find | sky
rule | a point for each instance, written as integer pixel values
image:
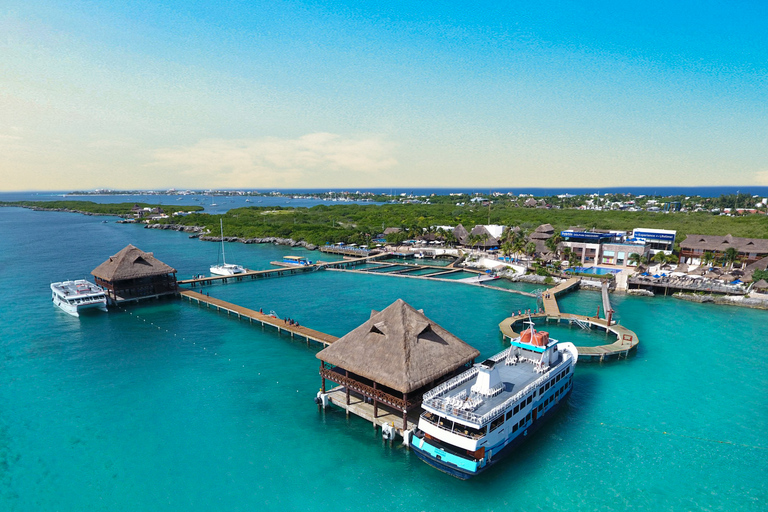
(377, 94)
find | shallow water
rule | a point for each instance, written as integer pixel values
(168, 405)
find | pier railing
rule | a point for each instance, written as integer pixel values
(369, 391)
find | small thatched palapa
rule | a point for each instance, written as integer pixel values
(394, 358)
(400, 348)
(131, 263)
(133, 274)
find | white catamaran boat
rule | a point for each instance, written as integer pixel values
(478, 417)
(75, 296)
(225, 269)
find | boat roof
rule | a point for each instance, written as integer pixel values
(515, 378)
(77, 287)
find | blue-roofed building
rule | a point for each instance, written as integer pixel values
(658, 240)
(587, 244)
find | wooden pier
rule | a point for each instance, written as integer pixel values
(626, 340)
(359, 407)
(264, 319)
(250, 274)
(277, 272)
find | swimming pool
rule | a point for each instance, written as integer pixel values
(598, 271)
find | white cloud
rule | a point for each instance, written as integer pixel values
(273, 161)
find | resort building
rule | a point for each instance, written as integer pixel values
(133, 274)
(749, 250)
(587, 245)
(658, 240)
(540, 236)
(393, 359)
(618, 253)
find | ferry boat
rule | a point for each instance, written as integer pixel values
(75, 296)
(477, 418)
(292, 261)
(296, 260)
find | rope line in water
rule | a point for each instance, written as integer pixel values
(664, 432)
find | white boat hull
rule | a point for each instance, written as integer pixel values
(227, 270)
(73, 297)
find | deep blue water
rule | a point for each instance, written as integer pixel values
(167, 405)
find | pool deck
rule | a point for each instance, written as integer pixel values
(626, 340)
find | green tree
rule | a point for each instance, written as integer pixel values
(731, 254)
(660, 257)
(634, 259)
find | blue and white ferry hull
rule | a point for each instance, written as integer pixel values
(477, 418)
(464, 468)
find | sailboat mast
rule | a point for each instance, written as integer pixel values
(223, 257)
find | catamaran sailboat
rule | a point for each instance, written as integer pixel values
(225, 269)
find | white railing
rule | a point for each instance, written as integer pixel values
(445, 405)
(452, 383)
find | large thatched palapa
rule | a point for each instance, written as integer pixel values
(133, 274)
(394, 358)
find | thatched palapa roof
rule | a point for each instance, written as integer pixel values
(715, 243)
(460, 233)
(131, 263)
(489, 241)
(543, 232)
(760, 285)
(400, 348)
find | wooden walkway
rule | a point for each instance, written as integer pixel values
(626, 340)
(263, 319)
(277, 272)
(252, 274)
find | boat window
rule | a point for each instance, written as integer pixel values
(528, 417)
(469, 431)
(510, 414)
(520, 425)
(497, 423)
(432, 418)
(517, 408)
(514, 428)
(446, 424)
(529, 399)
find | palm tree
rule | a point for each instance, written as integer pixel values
(660, 257)
(634, 259)
(530, 248)
(708, 257)
(730, 256)
(518, 245)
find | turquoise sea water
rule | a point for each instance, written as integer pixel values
(171, 406)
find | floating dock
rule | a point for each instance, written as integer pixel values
(264, 319)
(626, 340)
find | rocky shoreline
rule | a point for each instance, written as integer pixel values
(730, 300)
(206, 238)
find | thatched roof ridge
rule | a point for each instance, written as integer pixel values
(760, 285)
(717, 243)
(400, 348)
(545, 228)
(131, 263)
(761, 264)
(490, 241)
(460, 233)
